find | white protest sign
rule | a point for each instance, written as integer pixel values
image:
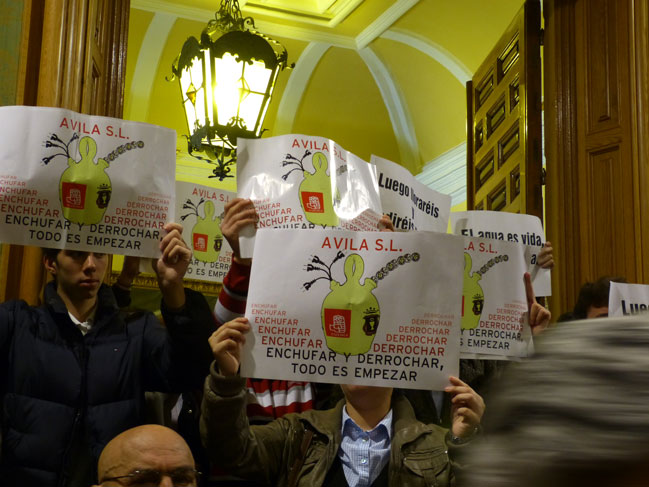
(84, 182)
(510, 227)
(410, 204)
(200, 209)
(298, 181)
(627, 299)
(494, 305)
(350, 308)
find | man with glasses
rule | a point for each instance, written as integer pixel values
(147, 456)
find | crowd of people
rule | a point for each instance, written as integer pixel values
(76, 369)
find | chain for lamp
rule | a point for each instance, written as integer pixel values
(228, 18)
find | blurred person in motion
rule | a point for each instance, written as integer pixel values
(573, 415)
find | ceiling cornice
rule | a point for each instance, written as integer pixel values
(269, 28)
(362, 40)
(331, 17)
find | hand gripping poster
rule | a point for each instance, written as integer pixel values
(410, 204)
(201, 209)
(494, 305)
(84, 182)
(373, 308)
(509, 227)
(628, 299)
(298, 181)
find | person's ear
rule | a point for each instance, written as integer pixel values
(50, 265)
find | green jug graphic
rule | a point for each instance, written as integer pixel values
(207, 238)
(85, 188)
(472, 296)
(316, 196)
(350, 312)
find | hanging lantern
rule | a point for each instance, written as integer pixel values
(226, 81)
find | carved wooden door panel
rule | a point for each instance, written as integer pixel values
(504, 158)
(596, 63)
(76, 59)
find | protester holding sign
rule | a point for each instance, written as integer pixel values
(309, 448)
(268, 399)
(74, 371)
(265, 399)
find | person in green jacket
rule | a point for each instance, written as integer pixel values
(371, 438)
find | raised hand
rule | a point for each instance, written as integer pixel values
(466, 410)
(545, 258)
(172, 265)
(226, 343)
(539, 316)
(385, 224)
(238, 213)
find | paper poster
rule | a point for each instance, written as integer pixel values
(494, 305)
(628, 299)
(509, 227)
(410, 204)
(84, 182)
(201, 209)
(298, 181)
(350, 308)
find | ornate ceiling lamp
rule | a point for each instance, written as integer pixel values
(226, 81)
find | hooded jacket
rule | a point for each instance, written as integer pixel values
(65, 395)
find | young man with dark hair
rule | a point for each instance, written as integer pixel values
(592, 301)
(73, 372)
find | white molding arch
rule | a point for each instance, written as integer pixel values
(296, 86)
(146, 66)
(447, 174)
(384, 22)
(433, 50)
(404, 129)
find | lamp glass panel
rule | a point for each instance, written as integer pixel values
(266, 102)
(191, 80)
(207, 70)
(196, 70)
(252, 104)
(257, 76)
(190, 112)
(227, 87)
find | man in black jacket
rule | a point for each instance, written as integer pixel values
(73, 372)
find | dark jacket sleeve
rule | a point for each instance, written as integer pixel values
(7, 321)
(178, 359)
(255, 453)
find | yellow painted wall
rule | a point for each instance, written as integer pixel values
(138, 23)
(343, 103)
(435, 99)
(467, 28)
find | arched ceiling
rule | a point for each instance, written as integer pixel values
(381, 77)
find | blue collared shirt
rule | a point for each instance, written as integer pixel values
(364, 454)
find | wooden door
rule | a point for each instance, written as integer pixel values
(74, 56)
(504, 159)
(597, 141)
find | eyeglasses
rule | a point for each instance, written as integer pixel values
(180, 477)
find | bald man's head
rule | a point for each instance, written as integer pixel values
(147, 448)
